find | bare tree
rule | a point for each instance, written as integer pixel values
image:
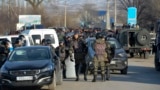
(35, 4)
(139, 4)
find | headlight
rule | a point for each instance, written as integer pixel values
(49, 68)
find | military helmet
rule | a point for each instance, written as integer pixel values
(5, 42)
(99, 35)
(22, 37)
(18, 40)
(48, 41)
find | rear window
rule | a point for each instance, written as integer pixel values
(50, 36)
(36, 39)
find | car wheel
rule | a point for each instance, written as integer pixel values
(59, 78)
(4, 88)
(52, 86)
(124, 71)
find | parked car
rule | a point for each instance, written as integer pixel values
(120, 60)
(31, 66)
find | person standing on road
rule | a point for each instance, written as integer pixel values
(79, 54)
(4, 51)
(100, 59)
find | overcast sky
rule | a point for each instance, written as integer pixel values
(100, 4)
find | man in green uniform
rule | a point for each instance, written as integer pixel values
(100, 59)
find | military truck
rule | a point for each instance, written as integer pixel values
(157, 47)
(135, 41)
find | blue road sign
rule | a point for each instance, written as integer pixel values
(132, 16)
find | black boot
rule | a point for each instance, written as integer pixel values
(94, 78)
(85, 78)
(77, 79)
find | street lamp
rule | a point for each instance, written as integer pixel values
(65, 14)
(108, 27)
(115, 14)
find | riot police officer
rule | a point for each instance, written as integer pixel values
(4, 51)
(79, 54)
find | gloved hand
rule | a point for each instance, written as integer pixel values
(72, 60)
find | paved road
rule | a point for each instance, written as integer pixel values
(141, 76)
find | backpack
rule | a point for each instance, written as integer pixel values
(100, 48)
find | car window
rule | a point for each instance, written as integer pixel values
(36, 39)
(115, 43)
(29, 54)
(50, 36)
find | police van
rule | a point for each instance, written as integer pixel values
(12, 39)
(38, 34)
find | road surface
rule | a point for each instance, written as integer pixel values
(141, 76)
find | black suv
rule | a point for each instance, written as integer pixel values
(31, 66)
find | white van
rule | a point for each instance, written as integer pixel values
(12, 39)
(39, 34)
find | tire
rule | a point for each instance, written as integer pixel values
(52, 86)
(124, 71)
(5, 88)
(143, 38)
(156, 63)
(59, 77)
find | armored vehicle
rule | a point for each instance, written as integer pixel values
(135, 41)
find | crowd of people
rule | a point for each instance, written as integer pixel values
(71, 42)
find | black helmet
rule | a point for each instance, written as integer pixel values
(21, 36)
(18, 40)
(43, 41)
(99, 35)
(5, 42)
(48, 41)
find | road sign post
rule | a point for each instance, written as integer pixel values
(132, 16)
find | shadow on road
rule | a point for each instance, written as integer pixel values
(139, 74)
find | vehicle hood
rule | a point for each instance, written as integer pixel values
(23, 65)
(119, 50)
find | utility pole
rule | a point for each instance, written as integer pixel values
(115, 14)
(9, 16)
(65, 14)
(108, 27)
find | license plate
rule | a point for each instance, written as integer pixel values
(24, 78)
(113, 62)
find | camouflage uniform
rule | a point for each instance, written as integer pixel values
(101, 58)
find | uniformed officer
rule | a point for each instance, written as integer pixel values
(4, 51)
(18, 43)
(100, 59)
(79, 54)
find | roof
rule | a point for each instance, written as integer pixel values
(38, 46)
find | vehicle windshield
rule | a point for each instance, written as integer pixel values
(115, 43)
(29, 54)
